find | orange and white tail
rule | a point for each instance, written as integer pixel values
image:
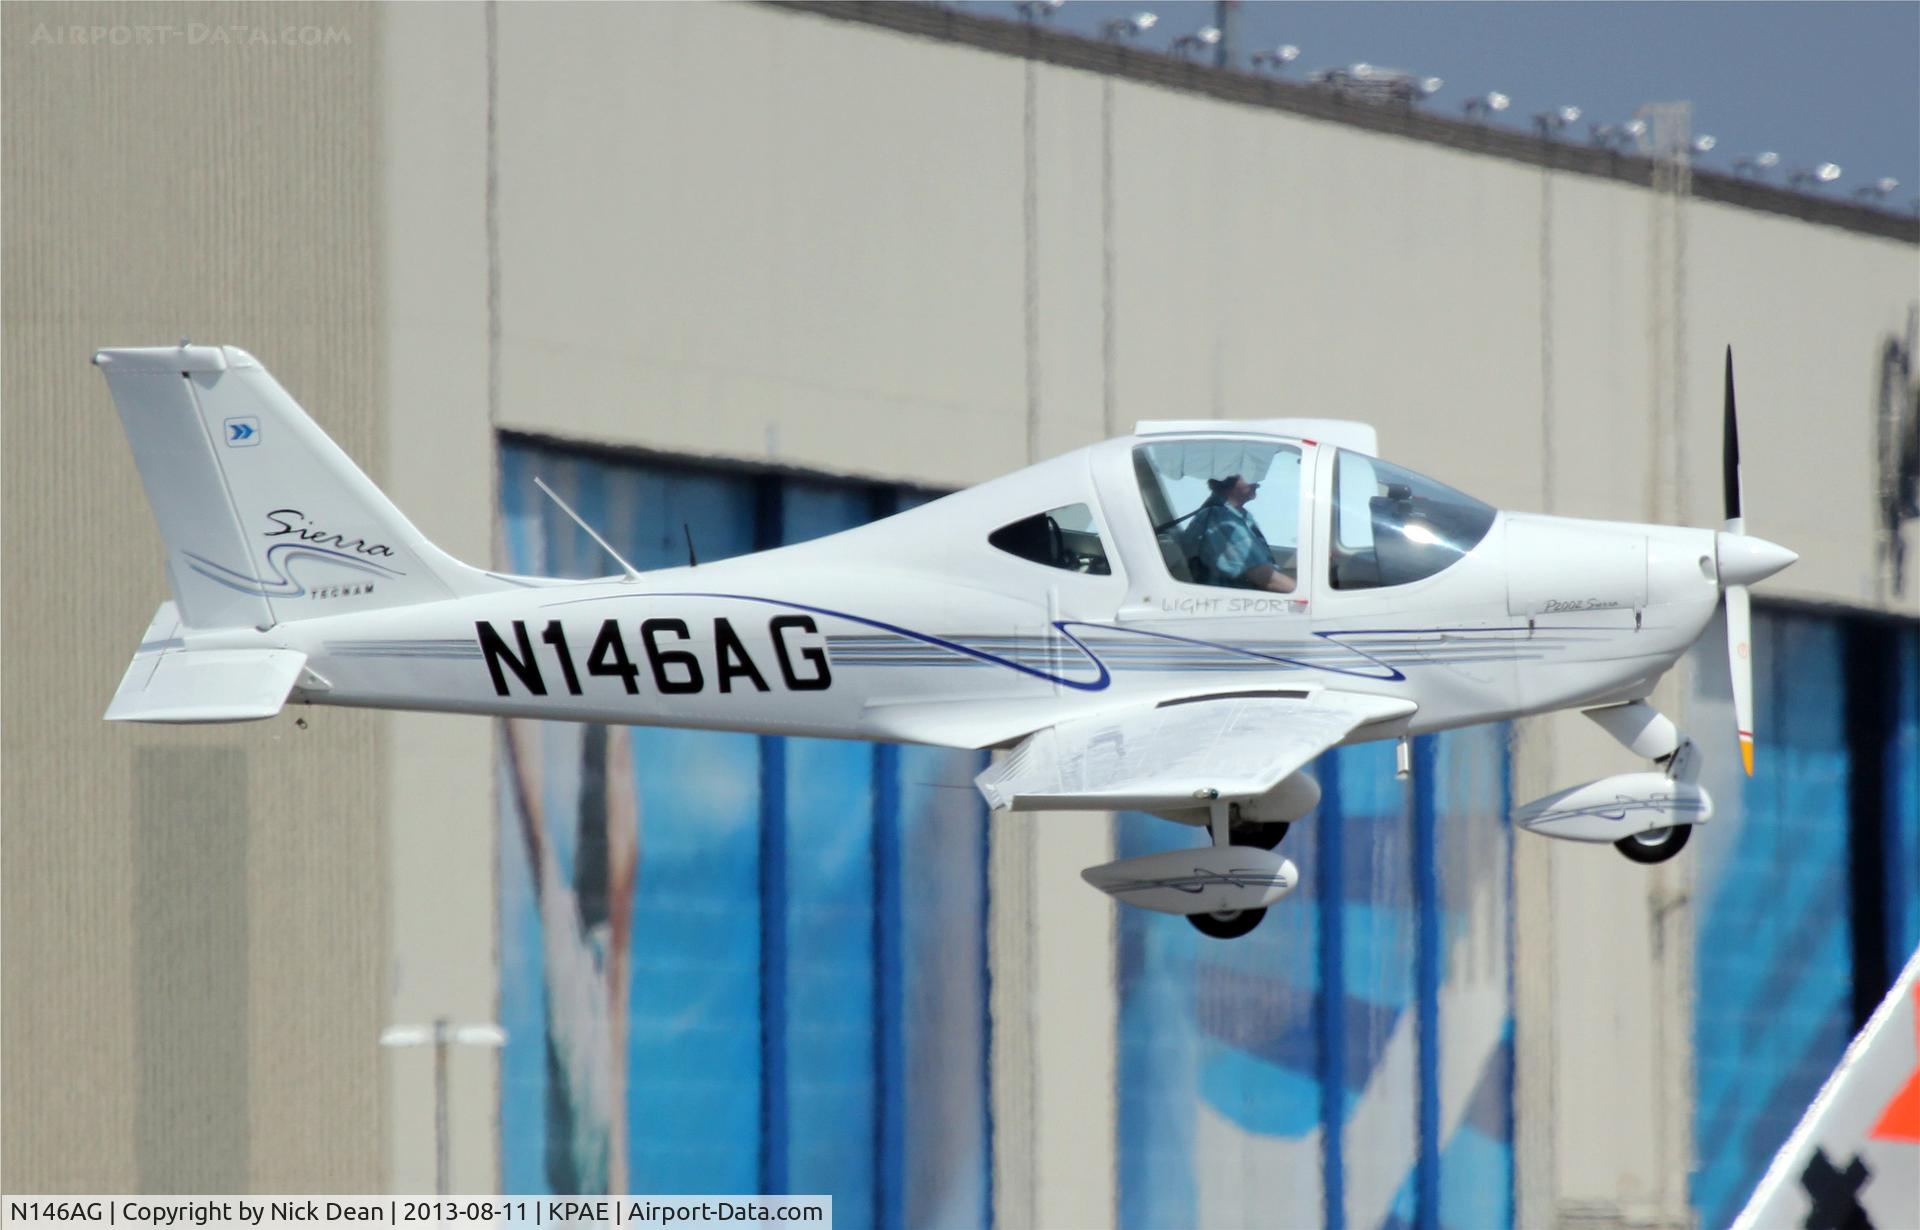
(1855, 1158)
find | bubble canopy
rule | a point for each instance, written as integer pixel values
(1394, 527)
(1226, 512)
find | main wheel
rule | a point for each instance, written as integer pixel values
(1655, 845)
(1260, 836)
(1227, 925)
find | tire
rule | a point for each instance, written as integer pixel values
(1665, 844)
(1231, 926)
(1259, 836)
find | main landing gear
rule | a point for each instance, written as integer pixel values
(1655, 845)
(1229, 832)
(1228, 924)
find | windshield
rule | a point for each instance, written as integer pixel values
(1225, 512)
(1392, 526)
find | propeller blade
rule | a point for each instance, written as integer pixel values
(1740, 668)
(1730, 458)
(1740, 560)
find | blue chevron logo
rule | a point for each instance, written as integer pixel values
(243, 432)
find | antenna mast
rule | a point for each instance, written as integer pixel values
(625, 567)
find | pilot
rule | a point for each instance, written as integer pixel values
(1228, 542)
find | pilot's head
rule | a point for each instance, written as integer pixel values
(1233, 489)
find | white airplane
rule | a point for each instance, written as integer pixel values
(1175, 622)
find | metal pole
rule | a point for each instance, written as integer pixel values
(441, 1036)
(1227, 20)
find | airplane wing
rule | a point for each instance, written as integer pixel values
(1178, 753)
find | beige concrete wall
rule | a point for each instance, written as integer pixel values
(434, 295)
(195, 920)
(730, 232)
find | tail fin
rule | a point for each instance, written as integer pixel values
(265, 520)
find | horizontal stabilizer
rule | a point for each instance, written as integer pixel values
(206, 685)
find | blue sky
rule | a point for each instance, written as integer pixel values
(1817, 82)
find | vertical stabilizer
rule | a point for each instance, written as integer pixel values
(265, 519)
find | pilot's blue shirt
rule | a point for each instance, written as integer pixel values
(1229, 544)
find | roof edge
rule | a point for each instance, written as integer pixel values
(1034, 42)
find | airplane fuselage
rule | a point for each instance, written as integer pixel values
(812, 640)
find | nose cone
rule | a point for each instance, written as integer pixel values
(1745, 560)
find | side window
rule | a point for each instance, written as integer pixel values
(1393, 527)
(1225, 512)
(1063, 537)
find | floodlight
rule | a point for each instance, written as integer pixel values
(1486, 105)
(1205, 36)
(1557, 120)
(1617, 136)
(1131, 27)
(1878, 190)
(1815, 177)
(1756, 165)
(1703, 143)
(1277, 58)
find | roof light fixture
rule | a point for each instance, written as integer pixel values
(1815, 177)
(1487, 105)
(1204, 37)
(1557, 120)
(1131, 27)
(1276, 58)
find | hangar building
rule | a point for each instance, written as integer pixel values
(768, 271)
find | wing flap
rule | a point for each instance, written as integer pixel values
(1164, 756)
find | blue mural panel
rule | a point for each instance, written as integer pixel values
(1901, 784)
(1774, 958)
(831, 1032)
(1472, 1077)
(941, 1176)
(712, 978)
(1380, 1084)
(1236, 1058)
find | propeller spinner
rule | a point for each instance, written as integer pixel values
(1742, 561)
